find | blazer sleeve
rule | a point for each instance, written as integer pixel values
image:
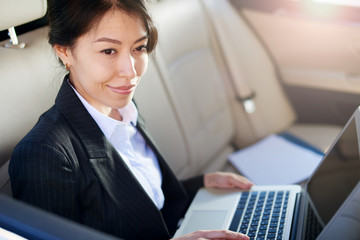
(36, 170)
(192, 185)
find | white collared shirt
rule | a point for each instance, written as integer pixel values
(132, 148)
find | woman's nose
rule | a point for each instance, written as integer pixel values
(127, 66)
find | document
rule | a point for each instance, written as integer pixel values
(275, 160)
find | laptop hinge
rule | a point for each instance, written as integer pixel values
(294, 227)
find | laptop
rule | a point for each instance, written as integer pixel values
(326, 206)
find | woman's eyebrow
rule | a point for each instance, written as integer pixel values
(142, 38)
(111, 40)
(105, 39)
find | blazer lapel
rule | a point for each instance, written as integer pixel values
(176, 198)
(114, 175)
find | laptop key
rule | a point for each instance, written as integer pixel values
(271, 235)
(272, 230)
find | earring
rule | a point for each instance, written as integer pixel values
(67, 67)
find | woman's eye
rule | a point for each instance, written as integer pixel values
(142, 48)
(108, 51)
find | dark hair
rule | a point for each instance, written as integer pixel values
(69, 19)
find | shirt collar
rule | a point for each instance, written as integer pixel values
(107, 125)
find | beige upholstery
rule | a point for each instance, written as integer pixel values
(163, 122)
(194, 83)
(29, 78)
(319, 136)
(249, 64)
(206, 113)
(199, 100)
(17, 12)
(28, 84)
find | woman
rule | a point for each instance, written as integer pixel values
(89, 157)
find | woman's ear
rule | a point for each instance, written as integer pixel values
(63, 53)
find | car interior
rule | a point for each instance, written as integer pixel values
(225, 75)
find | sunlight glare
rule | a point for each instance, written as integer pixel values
(321, 11)
(354, 3)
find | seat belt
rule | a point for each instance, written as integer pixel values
(221, 15)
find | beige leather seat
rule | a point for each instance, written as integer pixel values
(191, 113)
(202, 119)
(28, 78)
(251, 67)
(196, 135)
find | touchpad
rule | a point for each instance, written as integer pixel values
(205, 220)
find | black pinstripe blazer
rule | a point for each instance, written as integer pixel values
(66, 165)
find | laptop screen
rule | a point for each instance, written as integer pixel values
(338, 174)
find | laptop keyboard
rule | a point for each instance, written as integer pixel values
(261, 214)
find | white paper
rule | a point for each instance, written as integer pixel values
(275, 161)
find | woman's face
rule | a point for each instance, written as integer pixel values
(106, 63)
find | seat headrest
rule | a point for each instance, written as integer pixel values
(17, 12)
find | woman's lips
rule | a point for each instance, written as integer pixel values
(123, 89)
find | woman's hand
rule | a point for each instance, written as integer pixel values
(213, 234)
(226, 180)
